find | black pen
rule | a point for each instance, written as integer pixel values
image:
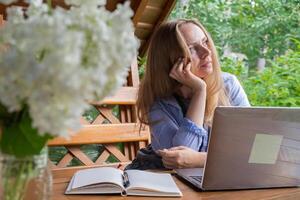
(125, 179)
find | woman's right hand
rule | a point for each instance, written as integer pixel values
(182, 157)
(183, 74)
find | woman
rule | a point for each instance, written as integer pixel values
(182, 86)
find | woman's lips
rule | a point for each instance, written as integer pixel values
(206, 64)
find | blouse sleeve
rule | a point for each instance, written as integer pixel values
(169, 131)
(236, 93)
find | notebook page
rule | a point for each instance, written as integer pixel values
(151, 181)
(97, 175)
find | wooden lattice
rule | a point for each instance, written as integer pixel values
(109, 129)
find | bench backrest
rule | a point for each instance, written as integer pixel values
(108, 130)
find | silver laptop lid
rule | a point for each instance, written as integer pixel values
(253, 148)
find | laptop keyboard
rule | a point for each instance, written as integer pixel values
(197, 178)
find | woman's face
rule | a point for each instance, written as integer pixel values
(198, 46)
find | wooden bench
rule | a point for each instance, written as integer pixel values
(109, 130)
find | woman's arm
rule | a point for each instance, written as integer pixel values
(182, 157)
(197, 87)
(169, 128)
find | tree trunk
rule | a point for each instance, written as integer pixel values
(261, 63)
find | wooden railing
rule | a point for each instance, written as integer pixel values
(108, 129)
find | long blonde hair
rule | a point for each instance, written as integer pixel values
(166, 47)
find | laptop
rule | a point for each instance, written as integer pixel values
(249, 148)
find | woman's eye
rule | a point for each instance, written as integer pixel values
(192, 49)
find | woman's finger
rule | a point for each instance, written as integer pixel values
(177, 148)
(187, 68)
(170, 154)
(169, 164)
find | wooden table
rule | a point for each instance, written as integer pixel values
(61, 178)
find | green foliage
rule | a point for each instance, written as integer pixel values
(256, 28)
(277, 85)
(142, 66)
(235, 67)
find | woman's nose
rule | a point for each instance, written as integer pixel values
(203, 52)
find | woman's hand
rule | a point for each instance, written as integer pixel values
(182, 157)
(182, 73)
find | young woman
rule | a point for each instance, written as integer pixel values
(182, 86)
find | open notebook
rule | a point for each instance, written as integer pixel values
(108, 180)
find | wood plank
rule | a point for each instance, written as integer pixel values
(156, 3)
(102, 158)
(51, 164)
(166, 10)
(107, 113)
(128, 114)
(116, 152)
(134, 74)
(123, 96)
(153, 8)
(99, 119)
(132, 150)
(1, 20)
(122, 114)
(126, 151)
(143, 34)
(105, 133)
(65, 160)
(139, 11)
(80, 155)
(144, 25)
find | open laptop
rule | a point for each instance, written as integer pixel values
(250, 147)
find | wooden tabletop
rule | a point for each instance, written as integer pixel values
(61, 178)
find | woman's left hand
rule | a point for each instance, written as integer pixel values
(182, 157)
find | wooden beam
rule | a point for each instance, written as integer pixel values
(1, 20)
(139, 11)
(65, 160)
(116, 152)
(102, 158)
(125, 95)
(144, 25)
(80, 155)
(169, 5)
(105, 133)
(107, 113)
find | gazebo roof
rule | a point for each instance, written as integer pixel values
(148, 14)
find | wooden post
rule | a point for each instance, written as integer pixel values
(1, 20)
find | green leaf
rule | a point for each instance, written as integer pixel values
(21, 139)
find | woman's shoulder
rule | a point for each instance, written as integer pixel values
(229, 78)
(234, 89)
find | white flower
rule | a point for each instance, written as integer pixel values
(7, 1)
(56, 62)
(86, 2)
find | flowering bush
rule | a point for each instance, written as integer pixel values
(55, 60)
